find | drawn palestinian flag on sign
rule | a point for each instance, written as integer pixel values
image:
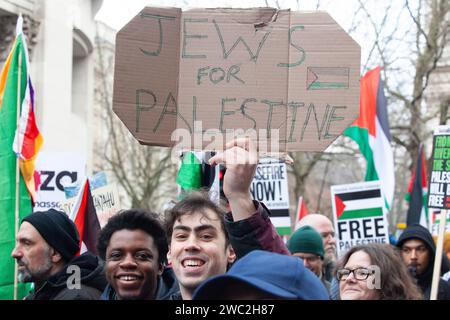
(358, 204)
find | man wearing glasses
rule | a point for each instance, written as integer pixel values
(324, 227)
(306, 243)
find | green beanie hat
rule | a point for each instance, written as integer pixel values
(306, 240)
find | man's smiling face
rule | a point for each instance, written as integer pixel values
(132, 266)
(198, 249)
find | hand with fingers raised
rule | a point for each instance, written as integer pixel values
(240, 158)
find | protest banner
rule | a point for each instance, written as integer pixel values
(439, 194)
(435, 221)
(100, 179)
(359, 215)
(106, 202)
(270, 186)
(54, 171)
(439, 188)
(193, 79)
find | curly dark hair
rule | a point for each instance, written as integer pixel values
(193, 203)
(396, 282)
(135, 219)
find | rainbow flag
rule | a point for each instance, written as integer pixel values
(371, 132)
(26, 140)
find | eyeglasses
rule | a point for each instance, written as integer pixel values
(358, 273)
(310, 259)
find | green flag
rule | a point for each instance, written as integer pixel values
(8, 121)
(190, 174)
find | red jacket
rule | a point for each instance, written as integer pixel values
(254, 233)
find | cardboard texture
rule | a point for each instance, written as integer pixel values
(106, 201)
(262, 69)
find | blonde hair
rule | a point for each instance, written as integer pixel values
(446, 242)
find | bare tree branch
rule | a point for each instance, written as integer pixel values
(419, 25)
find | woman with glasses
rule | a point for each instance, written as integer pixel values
(374, 272)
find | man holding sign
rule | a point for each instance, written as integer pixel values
(201, 79)
(203, 241)
(193, 79)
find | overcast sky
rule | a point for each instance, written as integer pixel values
(116, 13)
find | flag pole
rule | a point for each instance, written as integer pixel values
(438, 257)
(16, 211)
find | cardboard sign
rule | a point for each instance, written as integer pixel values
(270, 186)
(201, 77)
(100, 179)
(106, 202)
(439, 188)
(359, 215)
(55, 170)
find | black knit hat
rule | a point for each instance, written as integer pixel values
(57, 230)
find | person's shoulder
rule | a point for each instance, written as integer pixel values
(175, 296)
(167, 285)
(444, 290)
(446, 276)
(84, 292)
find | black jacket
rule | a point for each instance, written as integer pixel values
(167, 285)
(424, 280)
(60, 285)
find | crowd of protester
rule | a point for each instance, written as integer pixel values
(200, 251)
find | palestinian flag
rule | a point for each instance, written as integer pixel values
(302, 211)
(190, 173)
(196, 174)
(358, 204)
(417, 193)
(435, 221)
(85, 218)
(371, 132)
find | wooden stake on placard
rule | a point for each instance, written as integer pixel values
(438, 257)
